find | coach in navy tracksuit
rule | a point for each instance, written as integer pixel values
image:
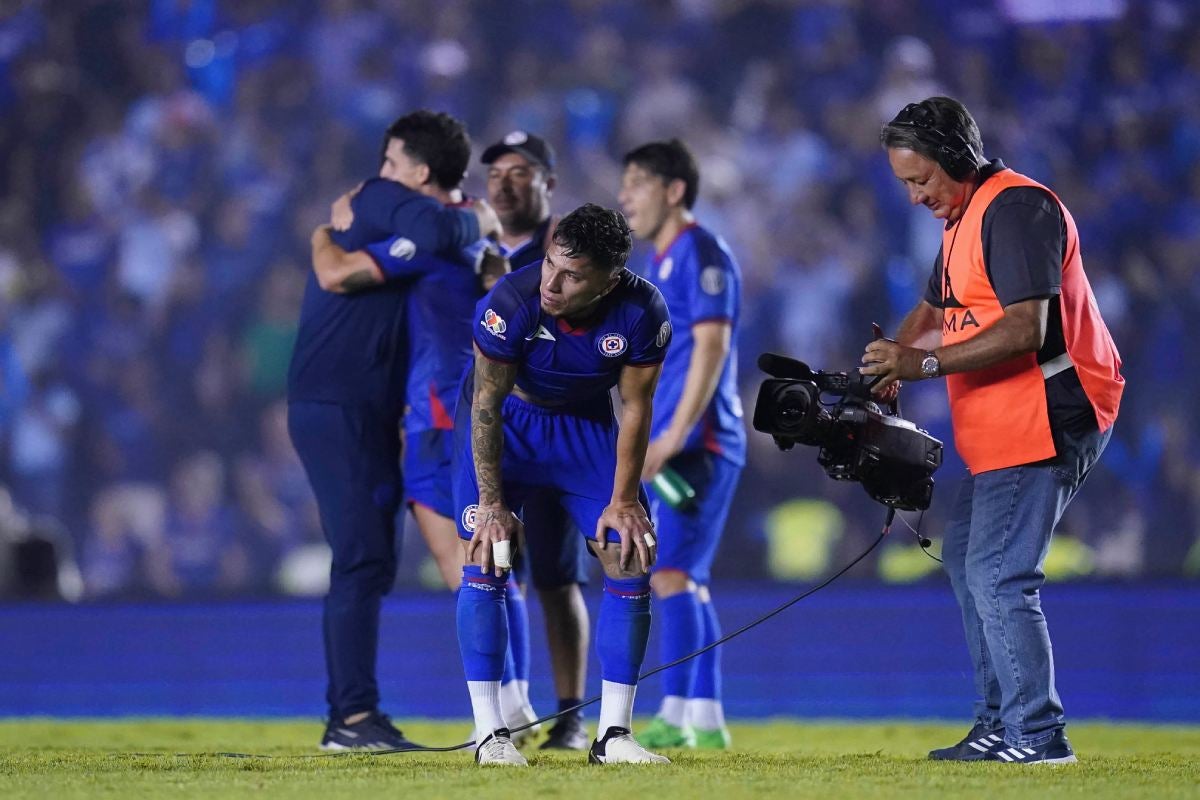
(345, 405)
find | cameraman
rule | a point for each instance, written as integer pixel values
(1034, 384)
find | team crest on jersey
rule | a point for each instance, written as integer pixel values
(494, 323)
(612, 344)
(664, 335)
(469, 517)
(664, 269)
(403, 249)
(712, 280)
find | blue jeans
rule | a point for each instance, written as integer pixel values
(994, 548)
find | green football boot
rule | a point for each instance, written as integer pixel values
(660, 733)
(711, 740)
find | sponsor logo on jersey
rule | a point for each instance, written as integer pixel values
(664, 335)
(664, 269)
(403, 249)
(712, 280)
(612, 344)
(541, 333)
(469, 515)
(494, 323)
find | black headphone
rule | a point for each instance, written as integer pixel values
(951, 149)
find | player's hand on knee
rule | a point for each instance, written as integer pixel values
(632, 524)
(497, 534)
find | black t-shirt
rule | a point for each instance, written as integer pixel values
(1024, 238)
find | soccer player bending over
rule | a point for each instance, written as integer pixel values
(535, 416)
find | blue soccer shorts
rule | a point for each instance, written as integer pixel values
(687, 540)
(550, 455)
(428, 473)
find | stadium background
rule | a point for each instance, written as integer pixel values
(164, 162)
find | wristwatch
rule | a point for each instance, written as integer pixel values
(931, 367)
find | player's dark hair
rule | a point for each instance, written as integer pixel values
(942, 130)
(597, 234)
(435, 139)
(669, 161)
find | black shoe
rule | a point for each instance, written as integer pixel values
(567, 734)
(1056, 751)
(375, 732)
(975, 746)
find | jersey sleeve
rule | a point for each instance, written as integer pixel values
(384, 208)
(399, 259)
(651, 333)
(502, 321)
(1023, 240)
(713, 283)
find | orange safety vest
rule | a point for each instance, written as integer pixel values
(999, 413)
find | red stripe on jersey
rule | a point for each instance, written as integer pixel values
(565, 327)
(441, 418)
(710, 437)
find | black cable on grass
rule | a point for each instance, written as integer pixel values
(590, 701)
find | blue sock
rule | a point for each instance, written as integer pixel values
(708, 668)
(623, 628)
(482, 625)
(518, 632)
(682, 633)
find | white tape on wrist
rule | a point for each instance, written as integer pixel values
(502, 554)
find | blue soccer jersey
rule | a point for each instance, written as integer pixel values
(700, 281)
(561, 365)
(440, 309)
(350, 348)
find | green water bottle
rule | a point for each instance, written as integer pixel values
(674, 490)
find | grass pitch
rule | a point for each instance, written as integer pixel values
(44, 759)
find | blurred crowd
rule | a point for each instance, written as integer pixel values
(162, 163)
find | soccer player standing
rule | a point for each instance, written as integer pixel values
(535, 415)
(345, 403)
(697, 432)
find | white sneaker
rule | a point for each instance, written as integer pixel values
(523, 716)
(499, 749)
(619, 747)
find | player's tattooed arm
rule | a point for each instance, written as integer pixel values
(493, 382)
(339, 271)
(495, 523)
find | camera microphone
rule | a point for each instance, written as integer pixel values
(784, 367)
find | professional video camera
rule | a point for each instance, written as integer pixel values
(892, 458)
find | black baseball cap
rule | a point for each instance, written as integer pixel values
(524, 144)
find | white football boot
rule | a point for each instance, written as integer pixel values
(498, 749)
(619, 747)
